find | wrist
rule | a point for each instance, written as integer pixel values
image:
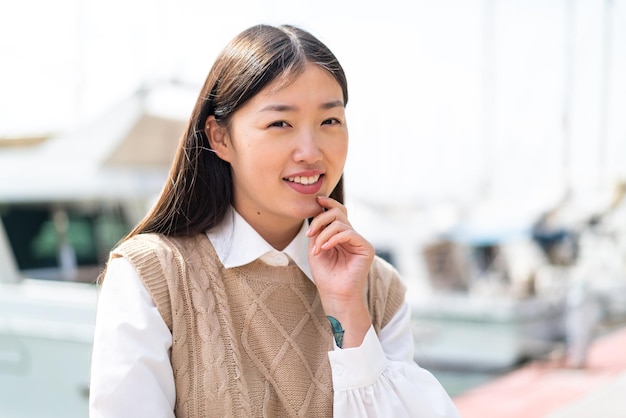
(349, 326)
(337, 329)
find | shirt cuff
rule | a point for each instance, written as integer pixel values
(347, 364)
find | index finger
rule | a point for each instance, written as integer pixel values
(329, 203)
(333, 211)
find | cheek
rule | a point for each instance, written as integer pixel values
(258, 163)
(337, 157)
(340, 151)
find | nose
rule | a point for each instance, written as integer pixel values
(307, 147)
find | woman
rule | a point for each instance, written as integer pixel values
(246, 291)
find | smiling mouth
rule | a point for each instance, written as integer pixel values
(304, 180)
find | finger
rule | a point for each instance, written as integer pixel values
(340, 235)
(349, 240)
(327, 233)
(330, 203)
(324, 219)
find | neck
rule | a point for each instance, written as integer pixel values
(278, 233)
(278, 239)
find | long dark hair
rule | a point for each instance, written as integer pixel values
(199, 188)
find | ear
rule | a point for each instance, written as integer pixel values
(218, 137)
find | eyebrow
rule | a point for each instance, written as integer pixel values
(333, 104)
(288, 108)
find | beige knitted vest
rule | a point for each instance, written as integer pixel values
(250, 341)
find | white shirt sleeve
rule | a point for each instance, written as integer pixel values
(392, 384)
(131, 372)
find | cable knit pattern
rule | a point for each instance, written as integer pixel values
(250, 341)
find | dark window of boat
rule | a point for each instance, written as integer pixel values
(62, 242)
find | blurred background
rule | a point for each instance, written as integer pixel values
(487, 162)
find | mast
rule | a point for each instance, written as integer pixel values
(488, 97)
(568, 87)
(607, 44)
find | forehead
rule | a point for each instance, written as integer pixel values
(309, 75)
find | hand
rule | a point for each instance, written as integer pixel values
(340, 260)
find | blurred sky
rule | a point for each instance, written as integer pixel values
(448, 98)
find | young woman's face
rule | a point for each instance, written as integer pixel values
(286, 146)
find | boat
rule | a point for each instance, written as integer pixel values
(483, 295)
(494, 286)
(65, 200)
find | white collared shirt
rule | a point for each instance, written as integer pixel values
(237, 243)
(131, 373)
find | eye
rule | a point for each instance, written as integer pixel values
(278, 124)
(331, 121)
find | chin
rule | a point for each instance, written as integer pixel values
(308, 211)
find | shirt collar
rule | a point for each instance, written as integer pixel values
(237, 243)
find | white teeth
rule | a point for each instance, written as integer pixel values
(304, 180)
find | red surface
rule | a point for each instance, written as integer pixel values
(541, 387)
